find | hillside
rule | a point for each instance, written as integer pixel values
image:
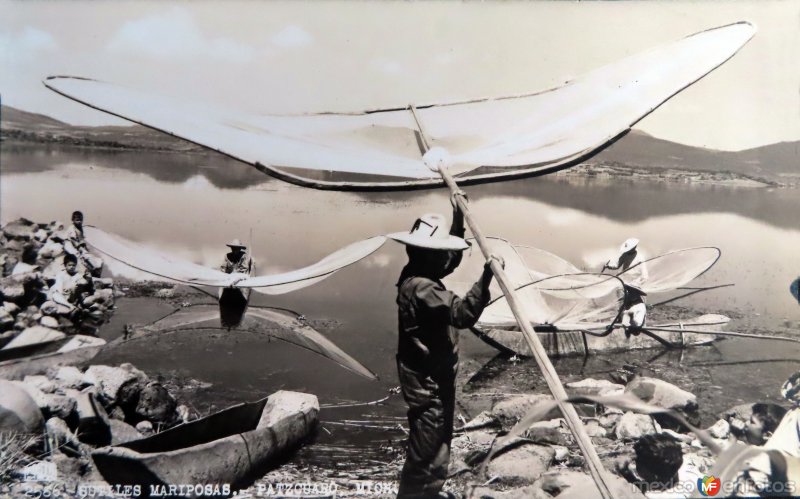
(635, 154)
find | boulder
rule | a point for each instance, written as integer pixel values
(51, 250)
(594, 387)
(183, 413)
(49, 322)
(528, 492)
(109, 379)
(103, 283)
(122, 432)
(555, 482)
(33, 335)
(100, 297)
(583, 487)
(156, 404)
(18, 411)
(165, 293)
(62, 437)
(144, 427)
(6, 320)
(12, 288)
(40, 235)
(562, 453)
(35, 394)
(41, 382)
(68, 377)
(662, 394)
(21, 229)
(509, 411)
(551, 432)
(522, 465)
(11, 307)
(632, 426)
(60, 406)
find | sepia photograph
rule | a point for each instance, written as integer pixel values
(420, 249)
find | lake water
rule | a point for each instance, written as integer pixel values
(191, 205)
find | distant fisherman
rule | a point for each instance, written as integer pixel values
(427, 353)
(237, 260)
(75, 244)
(629, 256)
(634, 309)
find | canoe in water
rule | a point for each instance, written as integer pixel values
(577, 343)
(233, 446)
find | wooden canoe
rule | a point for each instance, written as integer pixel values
(16, 363)
(578, 343)
(233, 446)
(233, 302)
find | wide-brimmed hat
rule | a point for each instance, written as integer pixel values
(236, 244)
(628, 245)
(430, 231)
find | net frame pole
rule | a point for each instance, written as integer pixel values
(549, 373)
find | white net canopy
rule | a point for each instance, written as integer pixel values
(543, 130)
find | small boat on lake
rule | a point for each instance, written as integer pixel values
(59, 350)
(233, 446)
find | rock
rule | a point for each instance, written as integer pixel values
(51, 250)
(658, 458)
(632, 426)
(720, 429)
(35, 394)
(40, 235)
(583, 487)
(551, 432)
(61, 436)
(49, 322)
(21, 229)
(594, 429)
(18, 411)
(122, 432)
(469, 448)
(11, 307)
(680, 437)
(12, 288)
(555, 482)
(562, 453)
(594, 387)
(103, 283)
(100, 297)
(184, 413)
(522, 465)
(117, 413)
(528, 492)
(662, 394)
(609, 421)
(156, 404)
(60, 406)
(509, 411)
(69, 377)
(109, 379)
(41, 382)
(69, 469)
(144, 427)
(6, 320)
(484, 419)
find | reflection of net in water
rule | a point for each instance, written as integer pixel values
(276, 323)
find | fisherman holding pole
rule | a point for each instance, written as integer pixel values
(427, 354)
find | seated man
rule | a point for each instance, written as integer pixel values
(237, 260)
(68, 290)
(75, 244)
(634, 310)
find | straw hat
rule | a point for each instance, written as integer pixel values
(430, 231)
(628, 245)
(636, 289)
(236, 244)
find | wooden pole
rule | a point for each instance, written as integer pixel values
(539, 353)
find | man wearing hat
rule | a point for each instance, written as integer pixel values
(628, 256)
(237, 260)
(427, 353)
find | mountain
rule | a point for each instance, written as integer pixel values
(774, 164)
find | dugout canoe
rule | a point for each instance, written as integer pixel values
(37, 358)
(580, 343)
(233, 446)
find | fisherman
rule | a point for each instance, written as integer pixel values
(427, 353)
(68, 289)
(634, 310)
(237, 260)
(75, 244)
(629, 256)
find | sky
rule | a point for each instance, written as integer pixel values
(347, 56)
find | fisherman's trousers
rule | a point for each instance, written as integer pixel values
(431, 405)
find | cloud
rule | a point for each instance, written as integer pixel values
(292, 37)
(26, 45)
(175, 35)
